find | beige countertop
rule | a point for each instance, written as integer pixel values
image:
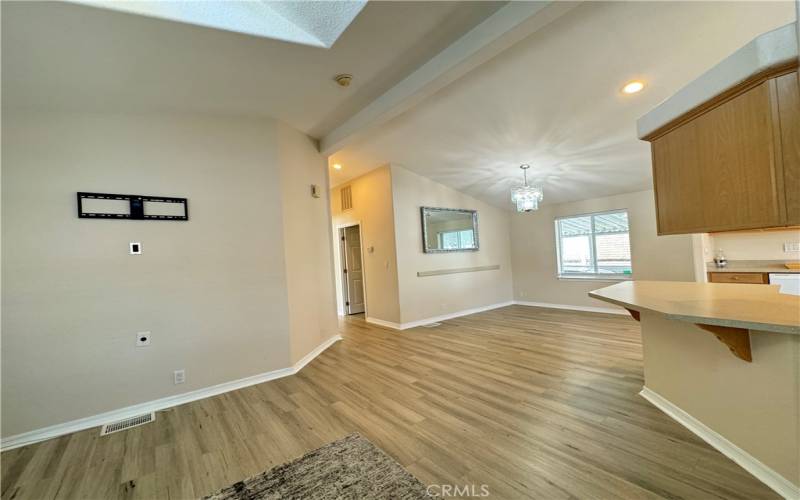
(755, 307)
(752, 266)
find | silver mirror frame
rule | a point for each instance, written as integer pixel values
(425, 248)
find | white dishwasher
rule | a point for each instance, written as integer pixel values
(789, 283)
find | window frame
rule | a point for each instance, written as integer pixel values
(440, 238)
(592, 249)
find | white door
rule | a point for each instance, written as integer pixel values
(353, 274)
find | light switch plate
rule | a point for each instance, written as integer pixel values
(135, 248)
(791, 246)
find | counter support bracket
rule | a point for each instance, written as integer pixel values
(737, 339)
(634, 314)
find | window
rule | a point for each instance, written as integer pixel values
(594, 245)
(449, 240)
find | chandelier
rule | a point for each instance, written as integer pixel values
(526, 197)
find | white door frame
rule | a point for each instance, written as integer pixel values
(340, 264)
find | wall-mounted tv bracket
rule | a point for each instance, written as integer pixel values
(137, 207)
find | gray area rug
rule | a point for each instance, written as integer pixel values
(350, 468)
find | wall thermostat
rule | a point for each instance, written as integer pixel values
(135, 248)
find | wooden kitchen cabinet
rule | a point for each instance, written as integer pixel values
(788, 89)
(732, 163)
(751, 278)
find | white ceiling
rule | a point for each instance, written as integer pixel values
(553, 101)
(74, 57)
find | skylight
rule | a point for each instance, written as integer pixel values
(315, 23)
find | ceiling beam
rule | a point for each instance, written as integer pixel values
(510, 24)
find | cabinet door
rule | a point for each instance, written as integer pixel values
(678, 182)
(789, 113)
(717, 171)
(754, 278)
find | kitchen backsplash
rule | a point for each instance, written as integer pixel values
(756, 245)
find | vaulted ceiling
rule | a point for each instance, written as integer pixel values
(554, 101)
(58, 55)
(460, 92)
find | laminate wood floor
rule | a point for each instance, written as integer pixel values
(532, 403)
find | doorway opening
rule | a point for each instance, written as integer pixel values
(352, 269)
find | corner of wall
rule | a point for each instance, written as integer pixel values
(425, 298)
(701, 247)
(373, 210)
(307, 242)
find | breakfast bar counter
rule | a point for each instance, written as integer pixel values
(723, 304)
(724, 360)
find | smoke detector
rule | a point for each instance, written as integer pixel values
(343, 80)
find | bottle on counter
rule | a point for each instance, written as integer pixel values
(720, 260)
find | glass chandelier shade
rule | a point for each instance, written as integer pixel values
(527, 197)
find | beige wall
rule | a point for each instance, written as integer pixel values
(372, 208)
(754, 245)
(306, 237)
(431, 296)
(213, 290)
(753, 405)
(533, 250)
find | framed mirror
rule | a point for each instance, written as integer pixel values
(449, 230)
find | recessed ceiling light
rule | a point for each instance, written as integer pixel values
(633, 87)
(337, 166)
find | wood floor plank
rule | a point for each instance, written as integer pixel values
(530, 402)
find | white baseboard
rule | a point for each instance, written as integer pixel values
(457, 314)
(466, 312)
(435, 319)
(80, 424)
(604, 310)
(381, 322)
(315, 352)
(766, 475)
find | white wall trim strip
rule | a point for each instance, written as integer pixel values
(766, 475)
(604, 310)
(438, 272)
(80, 424)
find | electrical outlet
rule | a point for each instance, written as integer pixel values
(179, 376)
(142, 339)
(791, 246)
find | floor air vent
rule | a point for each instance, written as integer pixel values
(128, 423)
(431, 325)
